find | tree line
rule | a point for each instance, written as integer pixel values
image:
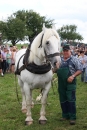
(27, 24)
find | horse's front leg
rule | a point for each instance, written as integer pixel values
(42, 119)
(28, 120)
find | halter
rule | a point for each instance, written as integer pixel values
(50, 55)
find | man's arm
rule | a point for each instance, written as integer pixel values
(71, 78)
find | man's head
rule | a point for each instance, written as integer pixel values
(66, 47)
(66, 51)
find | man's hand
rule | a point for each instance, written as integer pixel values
(70, 79)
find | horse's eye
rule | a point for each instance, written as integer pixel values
(47, 43)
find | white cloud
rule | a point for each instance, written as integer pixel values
(62, 11)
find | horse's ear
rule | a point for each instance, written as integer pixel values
(44, 27)
(53, 27)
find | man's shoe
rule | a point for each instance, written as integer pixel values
(72, 122)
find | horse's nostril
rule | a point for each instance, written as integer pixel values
(55, 63)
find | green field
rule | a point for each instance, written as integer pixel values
(11, 117)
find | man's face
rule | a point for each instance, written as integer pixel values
(66, 54)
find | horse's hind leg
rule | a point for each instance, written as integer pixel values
(24, 109)
(42, 119)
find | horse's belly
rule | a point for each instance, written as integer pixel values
(35, 80)
(41, 82)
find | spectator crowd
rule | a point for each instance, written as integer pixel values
(7, 58)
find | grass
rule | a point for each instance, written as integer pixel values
(11, 117)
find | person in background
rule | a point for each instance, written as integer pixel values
(13, 53)
(67, 71)
(8, 60)
(83, 60)
(1, 60)
(86, 51)
(77, 54)
(4, 64)
(10, 49)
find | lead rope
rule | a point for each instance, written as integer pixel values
(53, 83)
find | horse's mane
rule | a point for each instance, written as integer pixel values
(37, 41)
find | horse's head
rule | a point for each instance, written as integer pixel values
(51, 45)
(46, 46)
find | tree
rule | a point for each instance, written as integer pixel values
(68, 32)
(15, 30)
(12, 30)
(23, 24)
(2, 31)
(33, 22)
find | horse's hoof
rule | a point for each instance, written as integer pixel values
(24, 110)
(28, 122)
(42, 122)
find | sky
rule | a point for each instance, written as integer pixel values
(64, 12)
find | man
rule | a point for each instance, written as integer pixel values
(69, 69)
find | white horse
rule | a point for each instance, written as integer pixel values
(44, 51)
